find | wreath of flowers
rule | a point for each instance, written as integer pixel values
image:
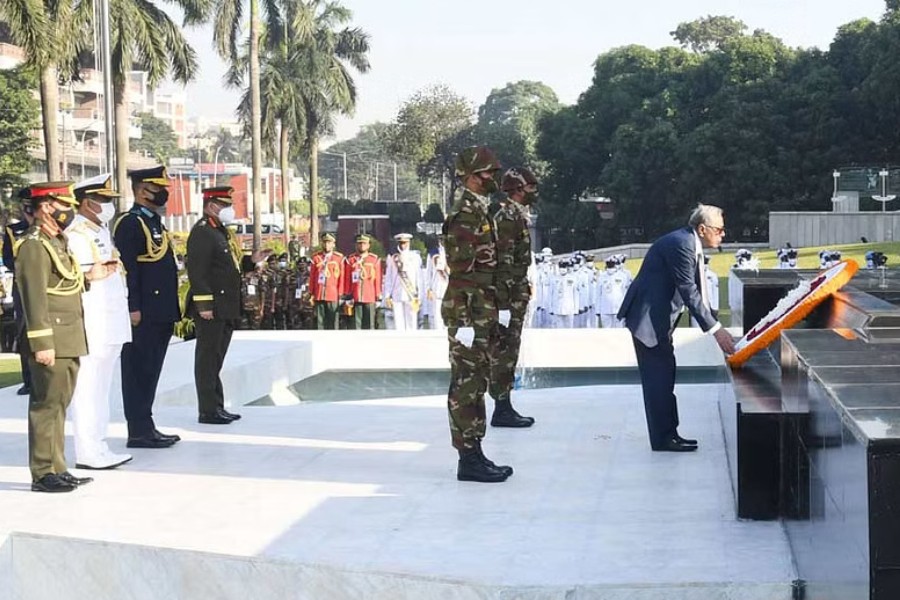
(791, 309)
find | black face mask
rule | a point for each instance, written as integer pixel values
(63, 216)
(160, 198)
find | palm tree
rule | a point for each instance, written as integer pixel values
(43, 28)
(306, 83)
(143, 36)
(281, 108)
(227, 36)
(323, 59)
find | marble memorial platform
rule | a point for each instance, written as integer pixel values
(358, 499)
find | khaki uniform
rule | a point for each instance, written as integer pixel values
(50, 283)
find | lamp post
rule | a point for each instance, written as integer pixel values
(884, 198)
(216, 166)
(343, 155)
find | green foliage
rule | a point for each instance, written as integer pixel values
(508, 122)
(376, 248)
(732, 118)
(708, 33)
(300, 208)
(157, 139)
(363, 151)
(19, 116)
(430, 128)
(341, 207)
(404, 216)
(433, 214)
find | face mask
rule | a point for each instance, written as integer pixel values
(160, 197)
(63, 217)
(226, 215)
(489, 186)
(282, 264)
(107, 212)
(530, 198)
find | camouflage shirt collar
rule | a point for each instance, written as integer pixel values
(484, 200)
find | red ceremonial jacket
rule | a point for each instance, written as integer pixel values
(326, 277)
(363, 277)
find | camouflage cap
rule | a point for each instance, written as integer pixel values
(476, 159)
(517, 177)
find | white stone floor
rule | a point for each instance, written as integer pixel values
(363, 496)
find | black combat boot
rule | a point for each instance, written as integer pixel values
(506, 416)
(505, 468)
(472, 467)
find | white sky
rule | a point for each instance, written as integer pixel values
(475, 46)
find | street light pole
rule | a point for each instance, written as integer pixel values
(395, 181)
(106, 61)
(376, 181)
(216, 166)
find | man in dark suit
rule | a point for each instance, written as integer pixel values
(671, 277)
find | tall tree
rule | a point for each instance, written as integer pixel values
(157, 138)
(430, 129)
(508, 122)
(143, 35)
(18, 118)
(228, 35)
(44, 28)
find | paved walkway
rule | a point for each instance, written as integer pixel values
(358, 499)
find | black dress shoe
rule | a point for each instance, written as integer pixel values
(174, 437)
(674, 445)
(230, 415)
(686, 441)
(149, 442)
(76, 481)
(23, 391)
(52, 484)
(213, 419)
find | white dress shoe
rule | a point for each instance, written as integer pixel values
(106, 460)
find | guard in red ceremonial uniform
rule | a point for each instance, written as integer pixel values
(326, 283)
(363, 283)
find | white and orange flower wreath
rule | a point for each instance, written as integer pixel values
(808, 295)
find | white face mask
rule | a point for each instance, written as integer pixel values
(226, 215)
(107, 212)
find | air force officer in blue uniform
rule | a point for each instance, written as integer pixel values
(671, 277)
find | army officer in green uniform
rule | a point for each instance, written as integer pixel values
(50, 283)
(215, 264)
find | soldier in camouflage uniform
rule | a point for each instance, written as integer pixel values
(469, 309)
(513, 289)
(268, 292)
(252, 299)
(300, 311)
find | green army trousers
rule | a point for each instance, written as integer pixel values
(51, 392)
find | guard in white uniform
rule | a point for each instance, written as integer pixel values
(564, 304)
(106, 322)
(612, 285)
(436, 278)
(402, 284)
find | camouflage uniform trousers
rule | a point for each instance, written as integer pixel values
(470, 369)
(508, 341)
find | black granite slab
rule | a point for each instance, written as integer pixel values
(851, 390)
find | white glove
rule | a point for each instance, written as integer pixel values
(505, 316)
(465, 336)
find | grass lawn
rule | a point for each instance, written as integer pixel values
(10, 373)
